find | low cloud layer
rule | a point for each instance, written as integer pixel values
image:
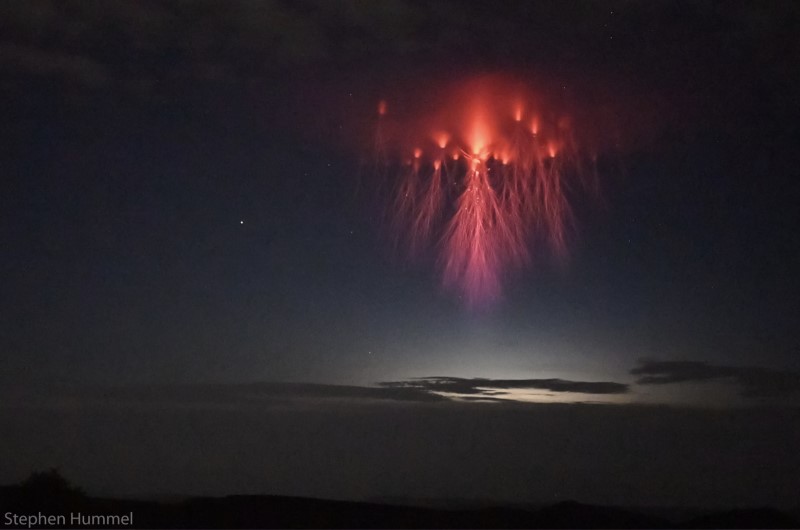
(488, 388)
(209, 395)
(422, 390)
(766, 385)
(755, 382)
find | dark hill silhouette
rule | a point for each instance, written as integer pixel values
(572, 514)
(262, 511)
(748, 518)
(51, 494)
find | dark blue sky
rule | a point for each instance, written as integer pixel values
(179, 208)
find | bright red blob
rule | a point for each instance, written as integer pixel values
(442, 139)
(518, 112)
(487, 182)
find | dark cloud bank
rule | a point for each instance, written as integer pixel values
(140, 44)
(420, 390)
(488, 387)
(761, 386)
(753, 381)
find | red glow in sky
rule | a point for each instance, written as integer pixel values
(484, 174)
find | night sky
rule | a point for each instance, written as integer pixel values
(189, 253)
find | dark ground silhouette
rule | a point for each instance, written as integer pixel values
(49, 493)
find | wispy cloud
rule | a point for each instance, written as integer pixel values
(244, 38)
(197, 40)
(233, 395)
(755, 382)
(494, 389)
(237, 395)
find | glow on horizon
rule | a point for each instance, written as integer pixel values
(536, 395)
